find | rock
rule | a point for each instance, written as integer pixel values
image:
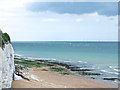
(49, 64)
(88, 73)
(34, 77)
(16, 77)
(58, 69)
(70, 66)
(112, 79)
(78, 69)
(93, 77)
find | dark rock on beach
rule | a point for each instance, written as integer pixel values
(88, 73)
(59, 69)
(18, 71)
(70, 67)
(112, 79)
(93, 77)
(78, 69)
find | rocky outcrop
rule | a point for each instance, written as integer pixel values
(6, 64)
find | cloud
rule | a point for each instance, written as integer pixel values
(102, 8)
(10, 4)
(94, 14)
(66, 27)
(41, 24)
(3, 19)
(50, 20)
(79, 20)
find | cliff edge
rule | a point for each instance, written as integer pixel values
(6, 61)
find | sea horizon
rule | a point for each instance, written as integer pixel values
(100, 56)
(63, 41)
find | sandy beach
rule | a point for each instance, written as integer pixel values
(49, 79)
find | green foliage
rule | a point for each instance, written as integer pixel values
(0, 38)
(6, 38)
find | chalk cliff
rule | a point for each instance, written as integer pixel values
(6, 62)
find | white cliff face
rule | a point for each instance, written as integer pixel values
(6, 66)
(1, 58)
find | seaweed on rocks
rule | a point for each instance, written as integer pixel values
(88, 73)
(112, 79)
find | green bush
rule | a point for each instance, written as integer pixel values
(0, 38)
(6, 38)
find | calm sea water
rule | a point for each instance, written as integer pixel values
(102, 56)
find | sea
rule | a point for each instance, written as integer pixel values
(102, 57)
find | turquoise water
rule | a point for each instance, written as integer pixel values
(100, 56)
(92, 52)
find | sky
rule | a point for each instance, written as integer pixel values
(35, 20)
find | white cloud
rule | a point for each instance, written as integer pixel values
(97, 20)
(3, 19)
(93, 14)
(10, 4)
(50, 20)
(79, 20)
(7, 14)
(14, 19)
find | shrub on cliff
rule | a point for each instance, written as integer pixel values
(0, 38)
(6, 38)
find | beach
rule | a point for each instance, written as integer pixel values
(66, 64)
(48, 75)
(49, 79)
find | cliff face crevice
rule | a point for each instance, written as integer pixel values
(7, 67)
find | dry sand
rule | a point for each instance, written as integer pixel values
(49, 79)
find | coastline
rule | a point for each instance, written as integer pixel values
(51, 75)
(49, 79)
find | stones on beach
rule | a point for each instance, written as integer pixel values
(72, 67)
(19, 71)
(112, 79)
(78, 69)
(58, 69)
(49, 64)
(16, 77)
(88, 73)
(66, 68)
(61, 70)
(93, 77)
